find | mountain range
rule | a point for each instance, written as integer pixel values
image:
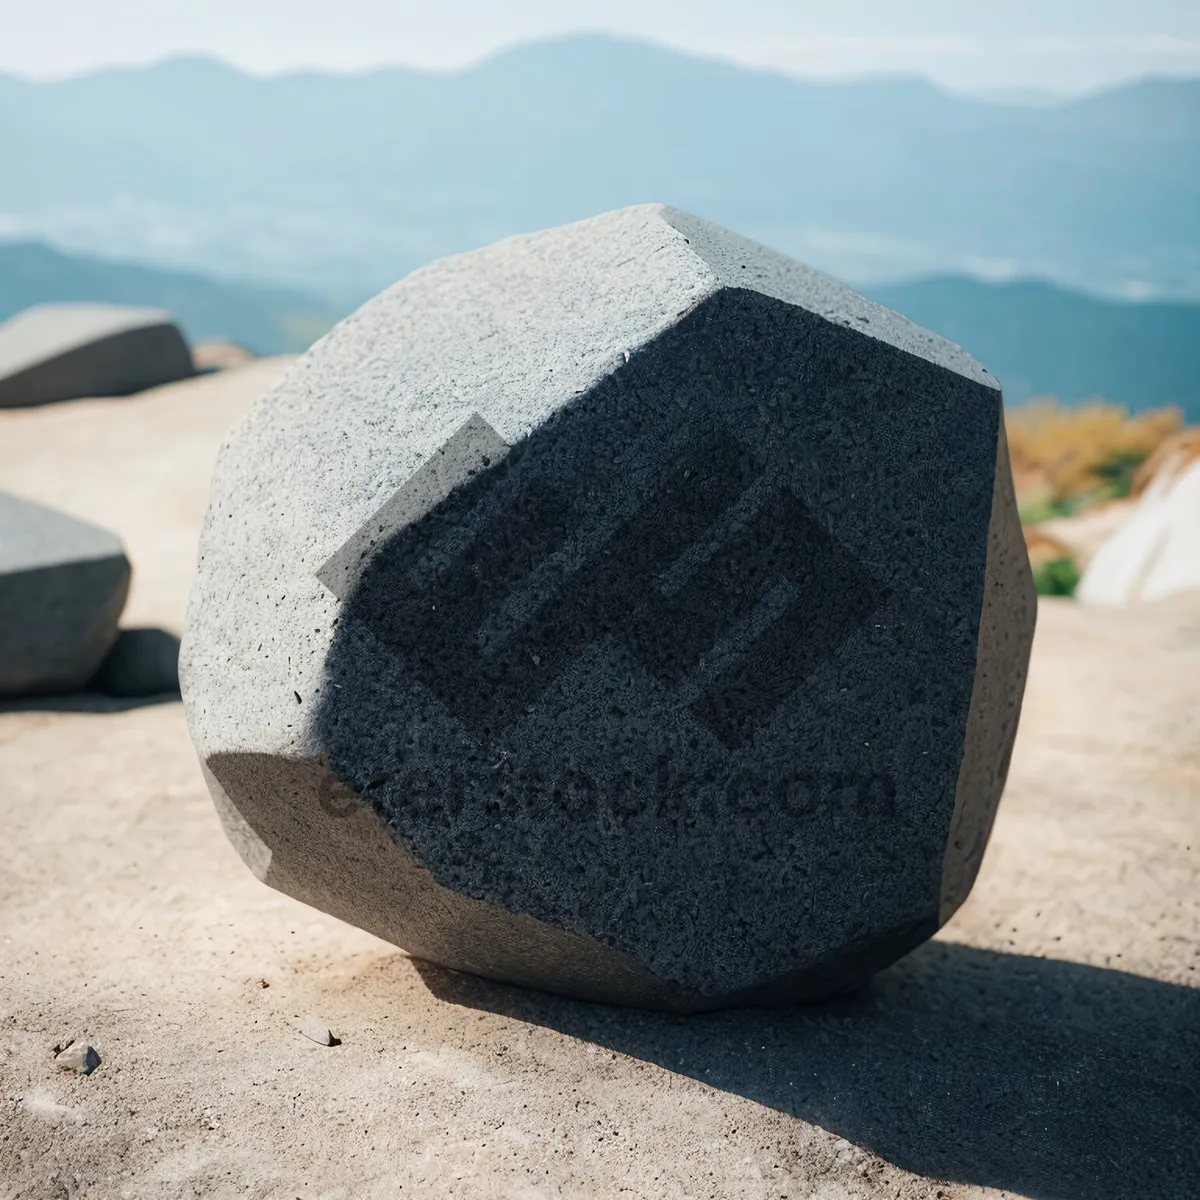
(1037, 338)
(1042, 340)
(338, 184)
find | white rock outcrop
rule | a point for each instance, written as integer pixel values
(1156, 553)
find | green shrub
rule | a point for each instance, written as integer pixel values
(1037, 511)
(1116, 473)
(1058, 577)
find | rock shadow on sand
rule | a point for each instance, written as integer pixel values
(1046, 1078)
(141, 669)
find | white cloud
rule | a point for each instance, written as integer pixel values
(1057, 63)
(1158, 45)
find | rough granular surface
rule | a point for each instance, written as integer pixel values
(624, 610)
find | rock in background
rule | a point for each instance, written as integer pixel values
(214, 355)
(625, 610)
(1155, 553)
(65, 351)
(63, 585)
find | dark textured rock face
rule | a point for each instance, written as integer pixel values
(63, 351)
(624, 610)
(63, 584)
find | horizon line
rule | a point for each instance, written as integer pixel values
(1126, 297)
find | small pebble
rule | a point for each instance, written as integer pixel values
(317, 1031)
(78, 1056)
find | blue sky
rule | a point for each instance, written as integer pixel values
(1065, 45)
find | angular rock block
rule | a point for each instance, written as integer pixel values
(65, 351)
(63, 584)
(623, 610)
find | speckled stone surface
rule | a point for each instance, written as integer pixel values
(63, 584)
(64, 351)
(622, 609)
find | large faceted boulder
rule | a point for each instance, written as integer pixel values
(64, 351)
(624, 610)
(63, 585)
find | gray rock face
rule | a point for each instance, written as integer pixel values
(142, 662)
(624, 610)
(63, 584)
(64, 351)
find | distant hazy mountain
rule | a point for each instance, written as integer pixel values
(1038, 339)
(342, 183)
(267, 320)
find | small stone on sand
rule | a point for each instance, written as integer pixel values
(78, 1056)
(317, 1031)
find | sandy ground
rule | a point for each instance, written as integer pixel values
(138, 465)
(1047, 1044)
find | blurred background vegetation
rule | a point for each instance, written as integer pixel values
(1068, 457)
(1076, 461)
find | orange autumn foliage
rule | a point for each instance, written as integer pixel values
(1069, 453)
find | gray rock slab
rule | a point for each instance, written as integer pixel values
(142, 662)
(63, 584)
(64, 351)
(624, 610)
